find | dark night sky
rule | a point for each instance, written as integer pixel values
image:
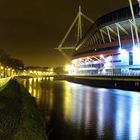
(31, 29)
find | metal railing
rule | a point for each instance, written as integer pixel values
(111, 74)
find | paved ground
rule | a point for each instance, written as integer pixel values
(10, 111)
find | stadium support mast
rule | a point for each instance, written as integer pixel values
(77, 20)
(134, 20)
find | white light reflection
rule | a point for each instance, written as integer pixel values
(127, 116)
(100, 113)
(135, 118)
(88, 110)
(78, 105)
(103, 111)
(131, 94)
(121, 117)
(77, 109)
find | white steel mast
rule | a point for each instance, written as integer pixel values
(77, 20)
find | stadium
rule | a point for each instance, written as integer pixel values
(110, 46)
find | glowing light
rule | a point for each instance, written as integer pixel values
(101, 56)
(39, 79)
(1, 67)
(123, 52)
(124, 55)
(51, 70)
(107, 64)
(104, 71)
(70, 69)
(120, 49)
(136, 55)
(51, 78)
(90, 68)
(34, 71)
(30, 71)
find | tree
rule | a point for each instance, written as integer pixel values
(60, 70)
(16, 63)
(4, 58)
(7, 60)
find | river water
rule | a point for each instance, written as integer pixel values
(79, 112)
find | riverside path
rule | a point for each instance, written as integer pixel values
(10, 110)
(20, 118)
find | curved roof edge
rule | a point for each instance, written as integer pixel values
(110, 18)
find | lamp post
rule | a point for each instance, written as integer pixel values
(133, 18)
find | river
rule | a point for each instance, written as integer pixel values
(79, 112)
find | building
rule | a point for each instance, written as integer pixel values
(110, 46)
(37, 71)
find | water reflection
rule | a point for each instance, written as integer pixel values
(79, 112)
(37, 88)
(135, 118)
(68, 103)
(100, 115)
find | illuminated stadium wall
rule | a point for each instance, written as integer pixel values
(110, 46)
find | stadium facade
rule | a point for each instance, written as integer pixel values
(110, 46)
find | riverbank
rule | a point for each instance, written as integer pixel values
(116, 82)
(20, 118)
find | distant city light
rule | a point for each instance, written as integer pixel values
(1, 67)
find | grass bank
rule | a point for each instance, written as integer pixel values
(20, 118)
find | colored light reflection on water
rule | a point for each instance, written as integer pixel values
(80, 112)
